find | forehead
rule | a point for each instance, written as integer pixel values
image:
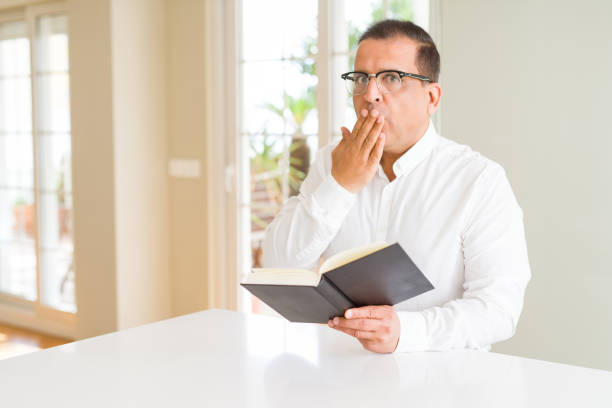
(391, 53)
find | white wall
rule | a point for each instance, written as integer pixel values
(118, 102)
(92, 166)
(186, 93)
(528, 84)
(138, 33)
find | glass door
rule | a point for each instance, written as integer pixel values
(36, 234)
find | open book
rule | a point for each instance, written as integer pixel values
(375, 274)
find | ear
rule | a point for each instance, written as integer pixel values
(434, 93)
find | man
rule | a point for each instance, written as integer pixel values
(393, 178)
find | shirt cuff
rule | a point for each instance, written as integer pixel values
(413, 332)
(332, 199)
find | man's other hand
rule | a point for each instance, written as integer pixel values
(355, 159)
(376, 327)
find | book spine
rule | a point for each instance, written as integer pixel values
(329, 291)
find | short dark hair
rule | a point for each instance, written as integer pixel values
(427, 59)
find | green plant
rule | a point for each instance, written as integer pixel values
(264, 172)
(61, 198)
(264, 158)
(265, 175)
(296, 110)
(20, 201)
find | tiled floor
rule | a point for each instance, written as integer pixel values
(14, 341)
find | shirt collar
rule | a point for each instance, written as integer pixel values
(416, 154)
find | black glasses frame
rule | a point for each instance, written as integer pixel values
(401, 74)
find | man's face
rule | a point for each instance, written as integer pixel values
(407, 110)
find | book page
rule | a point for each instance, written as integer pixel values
(280, 276)
(349, 255)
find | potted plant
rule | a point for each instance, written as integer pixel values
(23, 212)
(63, 210)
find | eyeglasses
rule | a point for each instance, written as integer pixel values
(388, 81)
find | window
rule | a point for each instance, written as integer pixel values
(292, 98)
(36, 239)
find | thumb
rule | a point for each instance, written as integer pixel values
(345, 132)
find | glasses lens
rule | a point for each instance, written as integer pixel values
(389, 82)
(356, 83)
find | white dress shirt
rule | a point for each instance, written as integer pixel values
(454, 213)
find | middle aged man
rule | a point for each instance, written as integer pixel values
(393, 178)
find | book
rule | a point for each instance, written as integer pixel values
(374, 274)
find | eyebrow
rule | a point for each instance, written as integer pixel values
(384, 69)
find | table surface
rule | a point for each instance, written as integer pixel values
(227, 359)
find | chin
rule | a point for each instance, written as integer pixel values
(387, 143)
(389, 140)
(391, 147)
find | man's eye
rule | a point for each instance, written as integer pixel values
(391, 78)
(361, 79)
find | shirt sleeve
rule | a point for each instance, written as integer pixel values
(307, 223)
(496, 274)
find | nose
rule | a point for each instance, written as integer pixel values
(372, 92)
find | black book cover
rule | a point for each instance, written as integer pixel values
(385, 277)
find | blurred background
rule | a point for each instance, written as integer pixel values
(145, 145)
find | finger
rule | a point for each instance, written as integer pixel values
(357, 324)
(345, 133)
(359, 334)
(365, 129)
(370, 141)
(367, 343)
(378, 149)
(363, 115)
(369, 312)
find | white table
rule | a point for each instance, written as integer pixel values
(227, 359)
